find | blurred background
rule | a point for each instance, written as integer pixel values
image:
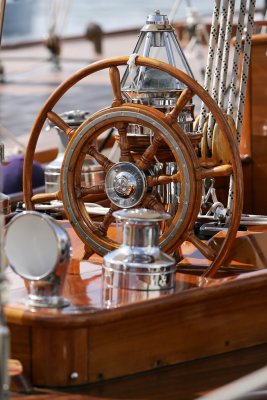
(31, 19)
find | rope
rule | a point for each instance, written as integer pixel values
(226, 51)
(60, 10)
(237, 53)
(7, 134)
(65, 16)
(53, 18)
(218, 64)
(221, 62)
(210, 60)
(245, 69)
(132, 70)
(233, 84)
(174, 10)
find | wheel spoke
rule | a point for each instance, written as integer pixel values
(152, 203)
(84, 191)
(185, 96)
(163, 179)
(93, 194)
(149, 154)
(195, 138)
(114, 75)
(124, 143)
(46, 197)
(88, 252)
(100, 158)
(207, 251)
(107, 221)
(58, 121)
(220, 170)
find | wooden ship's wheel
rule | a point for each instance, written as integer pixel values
(129, 182)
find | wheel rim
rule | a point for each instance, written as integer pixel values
(196, 89)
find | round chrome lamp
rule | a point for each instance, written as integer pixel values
(38, 249)
(139, 264)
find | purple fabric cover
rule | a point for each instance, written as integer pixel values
(12, 175)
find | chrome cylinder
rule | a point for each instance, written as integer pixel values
(169, 193)
(139, 264)
(92, 173)
(158, 39)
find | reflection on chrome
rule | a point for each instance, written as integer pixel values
(139, 264)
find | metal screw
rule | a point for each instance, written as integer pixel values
(74, 375)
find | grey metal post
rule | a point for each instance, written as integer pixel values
(4, 331)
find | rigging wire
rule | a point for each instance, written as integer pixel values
(245, 68)
(210, 60)
(58, 14)
(218, 66)
(237, 54)
(174, 11)
(226, 52)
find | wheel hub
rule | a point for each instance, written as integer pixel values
(125, 184)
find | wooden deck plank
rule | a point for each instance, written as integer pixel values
(30, 79)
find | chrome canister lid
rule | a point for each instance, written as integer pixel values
(157, 21)
(157, 18)
(142, 215)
